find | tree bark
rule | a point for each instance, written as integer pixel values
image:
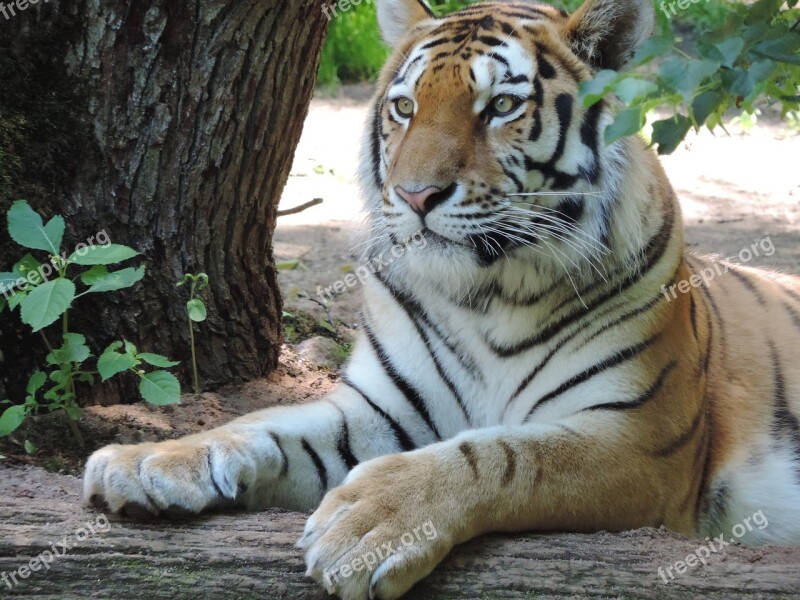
(253, 556)
(171, 126)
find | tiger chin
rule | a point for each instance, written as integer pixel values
(528, 368)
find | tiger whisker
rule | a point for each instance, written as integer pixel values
(566, 271)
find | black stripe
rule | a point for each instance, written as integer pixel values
(408, 391)
(589, 137)
(681, 440)
(794, 294)
(546, 70)
(285, 464)
(793, 314)
(322, 472)
(436, 42)
(720, 323)
(708, 458)
(376, 145)
(562, 61)
(512, 79)
(434, 358)
(748, 284)
(619, 358)
(655, 250)
(415, 311)
(403, 439)
(427, 9)
(490, 40)
(343, 445)
(629, 315)
(561, 180)
(538, 95)
(644, 398)
(786, 424)
(621, 319)
(693, 315)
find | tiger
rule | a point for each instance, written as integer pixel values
(540, 364)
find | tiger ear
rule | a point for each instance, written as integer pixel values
(606, 33)
(396, 17)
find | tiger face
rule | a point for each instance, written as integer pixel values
(478, 140)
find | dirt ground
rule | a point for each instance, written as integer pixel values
(735, 190)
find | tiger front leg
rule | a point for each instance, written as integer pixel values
(396, 517)
(285, 457)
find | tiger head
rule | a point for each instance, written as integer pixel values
(477, 139)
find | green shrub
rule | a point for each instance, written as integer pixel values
(354, 50)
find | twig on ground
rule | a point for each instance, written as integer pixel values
(301, 208)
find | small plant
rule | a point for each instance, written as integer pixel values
(44, 293)
(196, 310)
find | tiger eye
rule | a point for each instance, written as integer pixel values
(503, 104)
(404, 107)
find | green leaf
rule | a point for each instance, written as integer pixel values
(12, 418)
(627, 122)
(686, 76)
(668, 133)
(325, 325)
(16, 300)
(157, 360)
(705, 104)
(93, 274)
(288, 265)
(102, 255)
(46, 303)
(631, 88)
(8, 283)
(784, 49)
(591, 92)
(36, 381)
(117, 280)
(196, 310)
(160, 388)
(130, 348)
(25, 227)
(74, 350)
(729, 50)
(763, 10)
(651, 49)
(26, 264)
(112, 362)
(30, 448)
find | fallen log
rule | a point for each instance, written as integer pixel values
(252, 555)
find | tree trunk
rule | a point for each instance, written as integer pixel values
(171, 126)
(253, 556)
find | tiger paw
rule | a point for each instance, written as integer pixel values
(380, 532)
(188, 475)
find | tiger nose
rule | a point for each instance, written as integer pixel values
(417, 200)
